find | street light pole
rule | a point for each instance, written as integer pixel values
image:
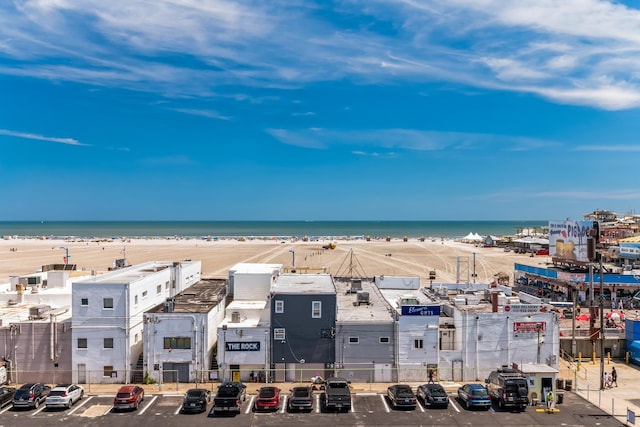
(66, 254)
(538, 327)
(293, 257)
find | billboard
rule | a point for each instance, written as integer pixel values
(568, 240)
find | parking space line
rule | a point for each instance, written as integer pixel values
(9, 406)
(108, 410)
(178, 410)
(284, 404)
(419, 405)
(451, 401)
(384, 402)
(249, 406)
(40, 409)
(148, 405)
(84, 402)
(317, 408)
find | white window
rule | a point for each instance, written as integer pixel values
(107, 343)
(166, 285)
(279, 334)
(354, 340)
(316, 309)
(159, 289)
(82, 343)
(107, 303)
(84, 302)
(279, 306)
(144, 294)
(417, 344)
(384, 340)
(135, 300)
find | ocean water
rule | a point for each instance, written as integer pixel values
(213, 229)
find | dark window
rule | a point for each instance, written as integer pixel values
(180, 343)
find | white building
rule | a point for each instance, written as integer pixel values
(181, 333)
(108, 313)
(243, 336)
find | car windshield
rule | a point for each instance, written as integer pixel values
(436, 389)
(479, 392)
(57, 393)
(300, 392)
(513, 387)
(338, 385)
(195, 393)
(22, 393)
(123, 395)
(404, 392)
(267, 392)
(228, 392)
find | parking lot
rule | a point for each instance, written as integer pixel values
(369, 409)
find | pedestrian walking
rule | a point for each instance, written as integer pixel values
(607, 380)
(614, 377)
(431, 376)
(252, 375)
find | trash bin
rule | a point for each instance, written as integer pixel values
(560, 384)
(560, 398)
(568, 385)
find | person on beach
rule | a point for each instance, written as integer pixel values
(614, 377)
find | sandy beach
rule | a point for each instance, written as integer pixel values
(371, 258)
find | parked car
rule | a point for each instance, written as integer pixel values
(433, 395)
(401, 396)
(6, 395)
(337, 394)
(301, 399)
(196, 400)
(30, 395)
(229, 397)
(509, 388)
(64, 396)
(474, 396)
(268, 399)
(128, 397)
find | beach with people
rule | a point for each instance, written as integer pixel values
(450, 259)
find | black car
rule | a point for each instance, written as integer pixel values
(301, 399)
(30, 395)
(6, 395)
(196, 400)
(401, 396)
(433, 395)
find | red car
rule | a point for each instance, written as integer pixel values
(268, 399)
(128, 397)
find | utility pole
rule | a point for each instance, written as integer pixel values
(601, 327)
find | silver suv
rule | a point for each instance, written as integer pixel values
(64, 396)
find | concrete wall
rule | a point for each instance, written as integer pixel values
(360, 358)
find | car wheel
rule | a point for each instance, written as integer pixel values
(36, 403)
(81, 395)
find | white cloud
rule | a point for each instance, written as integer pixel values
(581, 52)
(403, 139)
(24, 135)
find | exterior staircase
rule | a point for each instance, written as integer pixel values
(137, 376)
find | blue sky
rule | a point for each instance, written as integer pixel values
(318, 110)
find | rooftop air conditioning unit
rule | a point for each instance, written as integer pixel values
(235, 317)
(362, 298)
(39, 311)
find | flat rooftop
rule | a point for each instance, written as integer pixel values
(201, 297)
(255, 268)
(131, 274)
(349, 310)
(304, 284)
